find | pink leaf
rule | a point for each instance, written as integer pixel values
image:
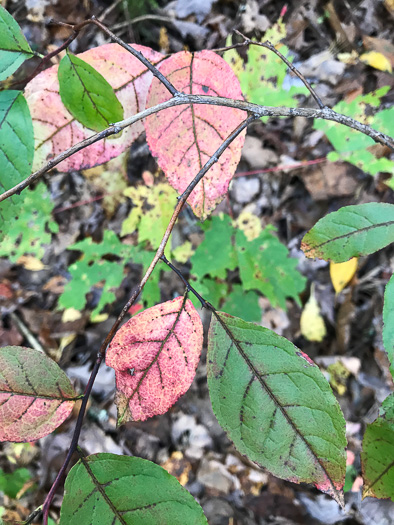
(185, 137)
(155, 356)
(55, 129)
(36, 396)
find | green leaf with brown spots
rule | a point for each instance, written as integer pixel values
(275, 404)
(107, 489)
(352, 231)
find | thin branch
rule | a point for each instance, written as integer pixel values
(100, 356)
(181, 99)
(268, 45)
(138, 55)
(184, 280)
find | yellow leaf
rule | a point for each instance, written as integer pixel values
(65, 341)
(70, 315)
(99, 318)
(250, 224)
(312, 323)
(376, 60)
(342, 273)
(31, 263)
(183, 252)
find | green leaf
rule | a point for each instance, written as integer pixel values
(262, 75)
(350, 145)
(107, 489)
(87, 95)
(12, 483)
(27, 224)
(216, 253)
(265, 265)
(377, 456)
(16, 139)
(275, 404)
(240, 303)
(388, 322)
(14, 49)
(352, 231)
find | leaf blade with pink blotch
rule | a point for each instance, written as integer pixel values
(185, 137)
(55, 129)
(155, 356)
(275, 404)
(36, 396)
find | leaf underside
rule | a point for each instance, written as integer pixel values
(275, 404)
(185, 137)
(58, 130)
(121, 490)
(36, 396)
(155, 356)
(352, 231)
(377, 456)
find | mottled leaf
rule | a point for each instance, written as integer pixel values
(185, 137)
(275, 404)
(28, 225)
(351, 231)
(16, 139)
(108, 489)
(55, 129)
(377, 456)
(36, 396)
(87, 95)
(388, 322)
(155, 356)
(14, 49)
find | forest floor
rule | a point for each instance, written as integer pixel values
(284, 179)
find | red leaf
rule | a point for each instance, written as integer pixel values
(155, 356)
(55, 129)
(36, 396)
(185, 137)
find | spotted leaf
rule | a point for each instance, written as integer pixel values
(55, 129)
(185, 137)
(155, 356)
(275, 404)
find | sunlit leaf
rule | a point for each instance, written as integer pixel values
(87, 95)
(275, 404)
(388, 322)
(36, 396)
(351, 231)
(155, 356)
(342, 273)
(185, 137)
(377, 456)
(108, 489)
(14, 49)
(58, 130)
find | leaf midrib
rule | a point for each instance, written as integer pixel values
(350, 234)
(274, 399)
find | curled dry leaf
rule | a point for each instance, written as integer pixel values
(155, 356)
(185, 137)
(36, 396)
(56, 129)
